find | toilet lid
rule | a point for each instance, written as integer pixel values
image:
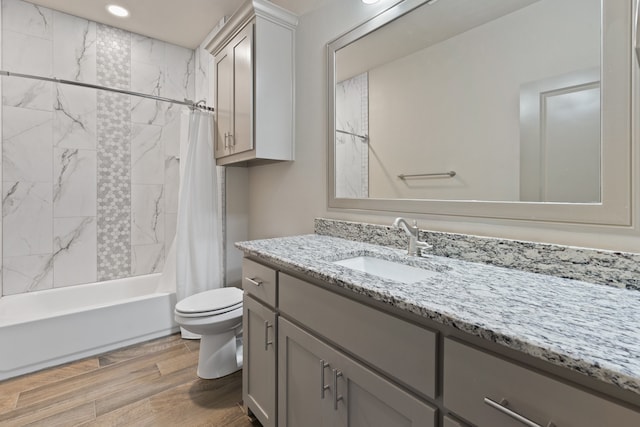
(211, 301)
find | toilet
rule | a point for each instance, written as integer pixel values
(216, 315)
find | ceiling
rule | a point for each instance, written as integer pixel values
(184, 22)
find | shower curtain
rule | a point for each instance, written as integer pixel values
(199, 264)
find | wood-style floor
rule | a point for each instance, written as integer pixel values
(149, 384)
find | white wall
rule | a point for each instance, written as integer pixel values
(285, 198)
(1, 265)
(455, 105)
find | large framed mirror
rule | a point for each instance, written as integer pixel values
(517, 109)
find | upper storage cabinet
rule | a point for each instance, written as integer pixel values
(254, 80)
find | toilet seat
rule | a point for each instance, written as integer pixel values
(210, 303)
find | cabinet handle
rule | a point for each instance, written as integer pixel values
(254, 281)
(323, 387)
(266, 335)
(502, 407)
(226, 143)
(336, 397)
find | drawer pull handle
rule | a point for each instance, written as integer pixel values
(254, 281)
(502, 407)
(267, 343)
(323, 387)
(336, 397)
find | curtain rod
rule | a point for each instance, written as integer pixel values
(189, 103)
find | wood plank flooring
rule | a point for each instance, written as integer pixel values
(149, 384)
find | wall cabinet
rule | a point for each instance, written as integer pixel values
(254, 78)
(341, 362)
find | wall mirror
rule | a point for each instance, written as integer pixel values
(515, 109)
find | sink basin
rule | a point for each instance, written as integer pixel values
(387, 269)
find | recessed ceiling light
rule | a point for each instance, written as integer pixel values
(118, 11)
(370, 1)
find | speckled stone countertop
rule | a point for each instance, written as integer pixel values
(585, 327)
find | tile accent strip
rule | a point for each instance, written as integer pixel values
(618, 269)
(114, 154)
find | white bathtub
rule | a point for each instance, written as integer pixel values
(47, 328)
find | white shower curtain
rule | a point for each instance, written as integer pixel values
(199, 265)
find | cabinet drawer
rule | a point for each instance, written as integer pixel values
(471, 376)
(401, 349)
(259, 281)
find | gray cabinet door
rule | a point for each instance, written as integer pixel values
(304, 374)
(366, 399)
(242, 48)
(223, 101)
(319, 386)
(234, 95)
(259, 371)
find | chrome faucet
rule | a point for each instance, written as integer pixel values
(414, 233)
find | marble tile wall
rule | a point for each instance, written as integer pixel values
(618, 269)
(352, 153)
(89, 178)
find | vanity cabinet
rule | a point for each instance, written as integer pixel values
(259, 321)
(253, 56)
(319, 356)
(320, 386)
(489, 391)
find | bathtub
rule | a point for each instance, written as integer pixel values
(50, 327)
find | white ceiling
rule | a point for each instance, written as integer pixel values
(182, 22)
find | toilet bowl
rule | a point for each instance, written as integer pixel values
(216, 315)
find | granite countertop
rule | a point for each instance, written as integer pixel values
(588, 328)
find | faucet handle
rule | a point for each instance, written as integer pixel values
(419, 244)
(422, 245)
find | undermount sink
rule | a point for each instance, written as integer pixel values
(387, 269)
